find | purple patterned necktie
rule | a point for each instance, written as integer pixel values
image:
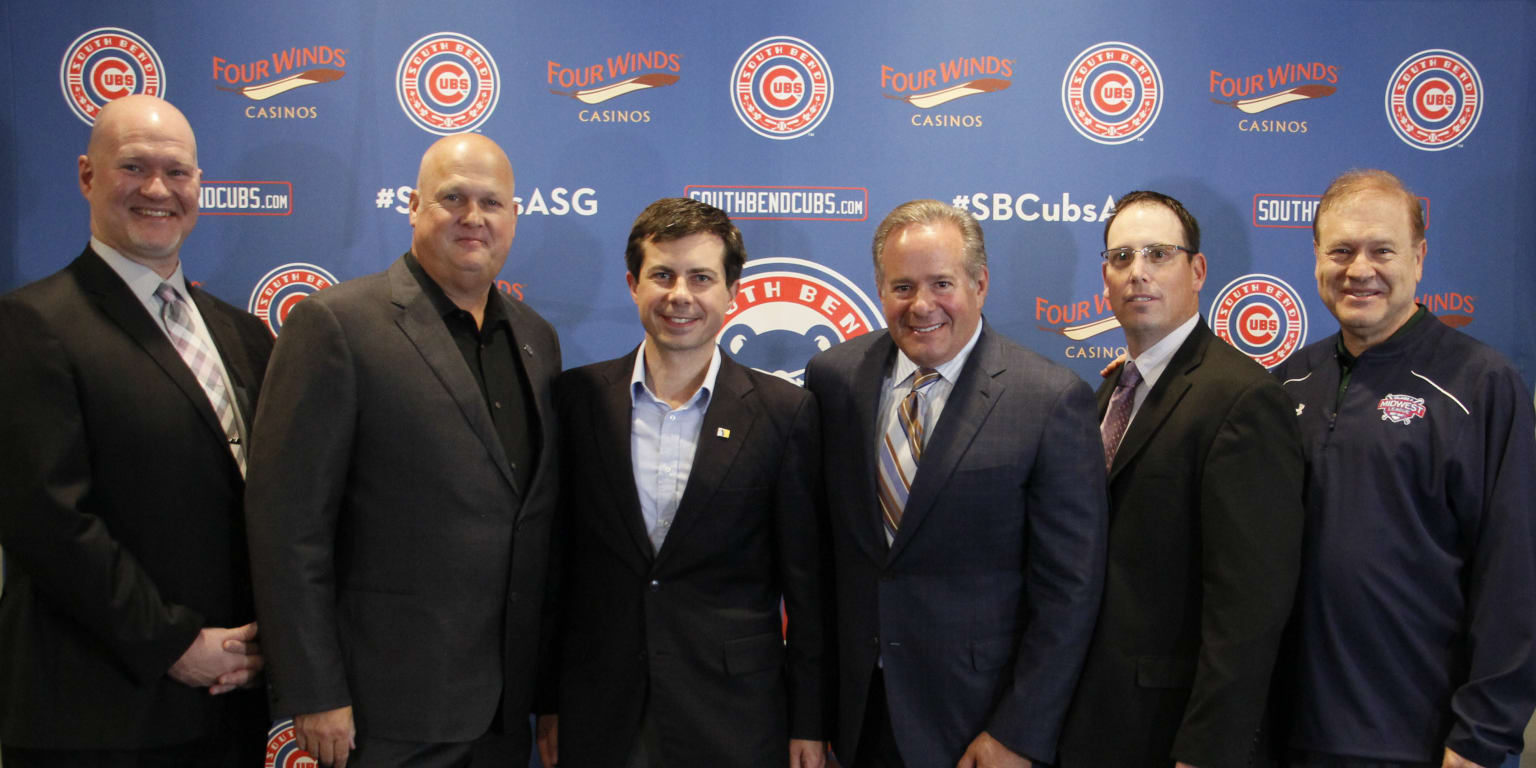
(1119, 414)
(901, 448)
(203, 363)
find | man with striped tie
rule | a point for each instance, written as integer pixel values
(127, 624)
(965, 488)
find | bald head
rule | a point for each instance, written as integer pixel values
(138, 112)
(139, 173)
(464, 216)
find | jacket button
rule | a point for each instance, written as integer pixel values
(655, 585)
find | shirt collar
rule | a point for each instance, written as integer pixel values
(948, 371)
(141, 280)
(1154, 359)
(494, 312)
(637, 386)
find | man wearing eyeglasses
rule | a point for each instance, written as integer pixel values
(1417, 602)
(1205, 479)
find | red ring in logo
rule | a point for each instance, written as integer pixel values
(446, 108)
(1112, 93)
(1261, 316)
(781, 87)
(105, 64)
(279, 290)
(1434, 99)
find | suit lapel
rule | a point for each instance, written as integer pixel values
(975, 393)
(118, 302)
(226, 339)
(612, 416)
(421, 323)
(732, 406)
(868, 380)
(1164, 397)
(539, 372)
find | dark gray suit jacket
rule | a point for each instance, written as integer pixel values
(1204, 550)
(982, 608)
(119, 513)
(692, 634)
(398, 567)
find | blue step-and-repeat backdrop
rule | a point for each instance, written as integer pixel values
(808, 121)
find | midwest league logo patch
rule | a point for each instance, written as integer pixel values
(1401, 409)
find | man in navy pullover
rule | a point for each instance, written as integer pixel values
(1417, 604)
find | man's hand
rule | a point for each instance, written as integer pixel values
(329, 735)
(805, 753)
(1114, 365)
(987, 752)
(220, 659)
(1182, 764)
(549, 740)
(1453, 760)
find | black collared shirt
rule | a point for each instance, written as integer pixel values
(490, 351)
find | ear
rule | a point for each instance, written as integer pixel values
(1197, 263)
(981, 284)
(634, 286)
(87, 175)
(1104, 276)
(415, 206)
(1420, 251)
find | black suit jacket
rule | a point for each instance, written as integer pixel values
(692, 634)
(1204, 546)
(982, 607)
(399, 568)
(119, 514)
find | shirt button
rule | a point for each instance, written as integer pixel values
(671, 417)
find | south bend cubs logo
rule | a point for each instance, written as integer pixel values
(106, 64)
(1262, 316)
(1112, 93)
(1401, 409)
(278, 290)
(787, 310)
(283, 748)
(1434, 99)
(447, 83)
(781, 87)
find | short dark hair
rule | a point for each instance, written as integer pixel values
(926, 212)
(1186, 219)
(674, 218)
(1359, 180)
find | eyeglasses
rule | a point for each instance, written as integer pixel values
(1157, 255)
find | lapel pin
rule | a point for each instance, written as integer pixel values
(723, 433)
(528, 349)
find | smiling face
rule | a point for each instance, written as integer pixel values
(931, 305)
(1368, 266)
(1150, 301)
(141, 178)
(463, 214)
(682, 294)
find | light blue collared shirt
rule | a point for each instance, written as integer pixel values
(899, 383)
(143, 282)
(662, 442)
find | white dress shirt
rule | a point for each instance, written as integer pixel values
(1154, 360)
